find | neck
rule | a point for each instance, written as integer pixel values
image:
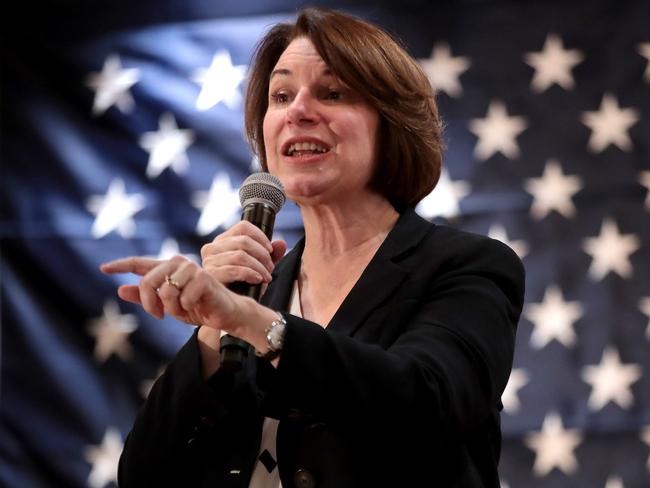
(333, 232)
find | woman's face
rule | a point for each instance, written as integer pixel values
(320, 136)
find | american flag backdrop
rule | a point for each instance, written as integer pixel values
(122, 134)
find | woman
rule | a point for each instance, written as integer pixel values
(390, 340)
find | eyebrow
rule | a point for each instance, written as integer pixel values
(288, 72)
(280, 71)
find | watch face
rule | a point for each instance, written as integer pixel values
(274, 336)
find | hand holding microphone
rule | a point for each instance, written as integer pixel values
(240, 259)
(244, 256)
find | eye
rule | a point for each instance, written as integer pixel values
(333, 95)
(279, 97)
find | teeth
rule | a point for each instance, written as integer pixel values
(305, 146)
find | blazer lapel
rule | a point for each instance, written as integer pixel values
(377, 283)
(278, 293)
(382, 276)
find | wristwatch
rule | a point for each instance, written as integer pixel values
(274, 338)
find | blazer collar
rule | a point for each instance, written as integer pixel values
(378, 281)
(278, 293)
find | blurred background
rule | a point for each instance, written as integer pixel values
(122, 134)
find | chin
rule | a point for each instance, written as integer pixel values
(307, 190)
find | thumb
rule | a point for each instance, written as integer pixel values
(279, 248)
(129, 293)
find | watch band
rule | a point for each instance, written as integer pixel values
(274, 338)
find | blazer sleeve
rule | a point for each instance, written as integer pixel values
(446, 370)
(177, 437)
(163, 426)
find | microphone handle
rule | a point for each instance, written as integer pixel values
(233, 351)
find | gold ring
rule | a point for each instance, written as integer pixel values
(175, 284)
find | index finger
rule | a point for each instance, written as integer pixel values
(133, 264)
(246, 228)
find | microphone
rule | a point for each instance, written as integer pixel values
(261, 196)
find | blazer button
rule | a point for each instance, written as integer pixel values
(205, 422)
(295, 414)
(304, 479)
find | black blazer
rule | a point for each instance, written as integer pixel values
(401, 389)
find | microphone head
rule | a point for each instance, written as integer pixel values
(264, 188)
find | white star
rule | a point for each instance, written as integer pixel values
(554, 447)
(497, 132)
(614, 482)
(553, 64)
(219, 207)
(111, 332)
(146, 385)
(610, 251)
(553, 319)
(115, 210)
(443, 70)
(166, 147)
(645, 437)
(104, 459)
(644, 50)
(611, 380)
(220, 82)
(644, 306)
(518, 379)
(169, 248)
(498, 232)
(444, 200)
(609, 125)
(553, 191)
(644, 179)
(112, 85)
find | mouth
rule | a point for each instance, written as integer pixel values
(304, 147)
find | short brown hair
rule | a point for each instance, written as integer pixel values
(374, 65)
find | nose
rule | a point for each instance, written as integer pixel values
(302, 109)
